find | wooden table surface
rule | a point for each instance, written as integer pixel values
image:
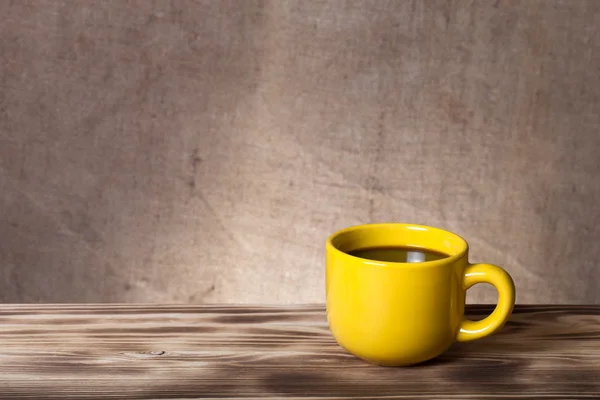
(188, 352)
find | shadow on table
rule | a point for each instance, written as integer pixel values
(534, 351)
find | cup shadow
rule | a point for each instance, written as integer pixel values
(530, 330)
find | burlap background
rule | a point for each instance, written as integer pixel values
(201, 151)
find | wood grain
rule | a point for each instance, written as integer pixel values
(187, 352)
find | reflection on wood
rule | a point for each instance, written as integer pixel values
(175, 352)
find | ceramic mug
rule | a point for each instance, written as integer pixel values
(401, 313)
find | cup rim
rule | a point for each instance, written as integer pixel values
(445, 261)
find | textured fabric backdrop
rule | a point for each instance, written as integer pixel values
(202, 151)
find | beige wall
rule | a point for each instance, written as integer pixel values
(179, 151)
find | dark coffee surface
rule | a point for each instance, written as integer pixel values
(398, 254)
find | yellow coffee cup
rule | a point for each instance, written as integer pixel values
(396, 312)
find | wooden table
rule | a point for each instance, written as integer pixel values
(188, 352)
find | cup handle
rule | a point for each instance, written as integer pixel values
(502, 281)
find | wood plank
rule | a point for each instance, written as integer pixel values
(187, 352)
